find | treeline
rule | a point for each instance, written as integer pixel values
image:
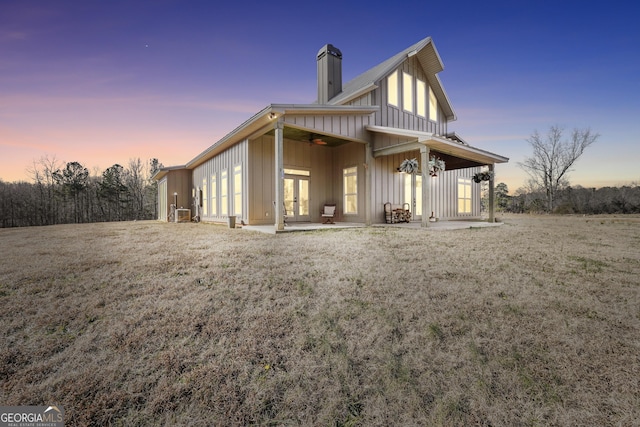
(67, 193)
(571, 200)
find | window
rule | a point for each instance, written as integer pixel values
(297, 172)
(392, 89)
(433, 106)
(214, 196)
(421, 98)
(205, 202)
(237, 190)
(224, 193)
(464, 195)
(350, 183)
(407, 92)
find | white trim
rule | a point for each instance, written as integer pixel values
(438, 143)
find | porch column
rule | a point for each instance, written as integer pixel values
(368, 164)
(426, 185)
(492, 217)
(279, 177)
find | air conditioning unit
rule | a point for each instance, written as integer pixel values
(183, 215)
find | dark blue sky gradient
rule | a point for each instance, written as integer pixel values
(100, 82)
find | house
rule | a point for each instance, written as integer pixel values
(289, 160)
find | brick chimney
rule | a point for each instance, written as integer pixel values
(329, 73)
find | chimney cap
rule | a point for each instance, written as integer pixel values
(330, 49)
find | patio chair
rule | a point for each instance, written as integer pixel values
(328, 212)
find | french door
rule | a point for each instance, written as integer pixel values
(296, 198)
(413, 194)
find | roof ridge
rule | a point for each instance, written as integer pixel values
(376, 72)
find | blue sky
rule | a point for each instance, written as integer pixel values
(100, 82)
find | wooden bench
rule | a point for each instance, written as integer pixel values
(396, 213)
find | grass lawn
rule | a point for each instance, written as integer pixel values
(534, 323)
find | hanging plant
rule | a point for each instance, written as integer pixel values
(409, 166)
(436, 165)
(482, 176)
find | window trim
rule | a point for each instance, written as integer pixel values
(204, 202)
(224, 193)
(433, 106)
(237, 171)
(350, 171)
(407, 92)
(214, 194)
(421, 98)
(465, 183)
(392, 81)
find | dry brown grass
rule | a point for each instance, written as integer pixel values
(533, 323)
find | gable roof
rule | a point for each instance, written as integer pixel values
(428, 58)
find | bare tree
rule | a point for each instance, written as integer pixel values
(553, 157)
(42, 175)
(135, 182)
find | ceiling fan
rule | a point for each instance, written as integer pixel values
(315, 139)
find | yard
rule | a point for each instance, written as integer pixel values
(534, 323)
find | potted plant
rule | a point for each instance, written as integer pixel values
(436, 165)
(409, 166)
(482, 176)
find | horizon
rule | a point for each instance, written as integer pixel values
(101, 84)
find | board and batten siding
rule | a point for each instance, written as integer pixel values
(349, 155)
(296, 155)
(388, 186)
(227, 160)
(176, 181)
(444, 194)
(397, 117)
(350, 126)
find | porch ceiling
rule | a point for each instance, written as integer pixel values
(455, 154)
(310, 137)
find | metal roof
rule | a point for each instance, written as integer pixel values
(427, 54)
(435, 142)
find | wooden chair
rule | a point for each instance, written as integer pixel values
(328, 212)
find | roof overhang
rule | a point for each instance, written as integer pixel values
(417, 139)
(162, 172)
(266, 119)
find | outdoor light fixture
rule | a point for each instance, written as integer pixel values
(272, 116)
(175, 199)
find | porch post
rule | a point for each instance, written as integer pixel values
(368, 164)
(279, 176)
(426, 185)
(492, 217)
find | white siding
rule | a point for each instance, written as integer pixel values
(318, 160)
(397, 117)
(350, 126)
(235, 155)
(388, 185)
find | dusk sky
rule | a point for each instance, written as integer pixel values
(100, 82)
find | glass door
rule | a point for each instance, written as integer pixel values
(296, 197)
(413, 194)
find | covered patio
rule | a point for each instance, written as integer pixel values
(308, 226)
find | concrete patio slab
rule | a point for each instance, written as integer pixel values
(311, 226)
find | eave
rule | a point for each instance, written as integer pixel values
(266, 119)
(162, 172)
(416, 139)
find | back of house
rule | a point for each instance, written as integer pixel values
(346, 149)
